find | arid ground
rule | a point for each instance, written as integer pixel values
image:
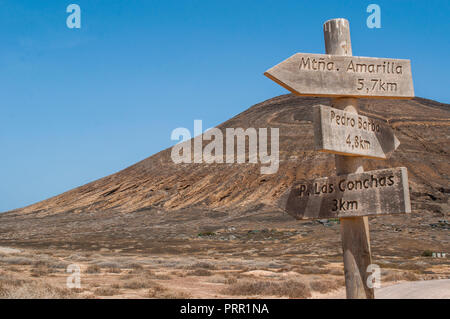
(161, 230)
(290, 260)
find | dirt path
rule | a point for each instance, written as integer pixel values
(426, 289)
(429, 289)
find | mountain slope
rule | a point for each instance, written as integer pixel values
(422, 126)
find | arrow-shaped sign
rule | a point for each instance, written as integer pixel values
(345, 133)
(361, 194)
(332, 75)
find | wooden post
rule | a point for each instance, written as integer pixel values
(334, 75)
(354, 230)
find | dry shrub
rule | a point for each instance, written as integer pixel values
(410, 276)
(137, 283)
(76, 257)
(156, 291)
(324, 286)
(106, 291)
(390, 275)
(114, 270)
(59, 265)
(312, 270)
(337, 272)
(417, 266)
(217, 279)
(321, 263)
(178, 273)
(40, 271)
(412, 266)
(147, 272)
(202, 265)
(427, 253)
(35, 290)
(127, 276)
(132, 272)
(94, 285)
(162, 277)
(49, 263)
(93, 269)
(340, 282)
(109, 265)
(199, 272)
(17, 260)
(290, 288)
(79, 291)
(161, 292)
(41, 263)
(385, 264)
(144, 274)
(176, 295)
(8, 280)
(135, 266)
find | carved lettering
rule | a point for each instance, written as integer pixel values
(370, 193)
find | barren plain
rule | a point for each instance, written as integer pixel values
(163, 230)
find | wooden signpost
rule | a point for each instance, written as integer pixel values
(353, 194)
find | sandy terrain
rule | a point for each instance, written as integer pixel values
(162, 230)
(431, 289)
(300, 261)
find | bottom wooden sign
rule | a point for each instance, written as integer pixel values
(379, 192)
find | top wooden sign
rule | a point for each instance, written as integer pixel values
(333, 75)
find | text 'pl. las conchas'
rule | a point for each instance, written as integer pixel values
(369, 193)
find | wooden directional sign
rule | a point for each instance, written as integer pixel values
(360, 194)
(333, 75)
(347, 133)
(352, 193)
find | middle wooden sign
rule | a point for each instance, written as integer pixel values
(378, 192)
(346, 133)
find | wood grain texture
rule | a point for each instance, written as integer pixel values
(332, 75)
(355, 231)
(357, 256)
(351, 134)
(380, 192)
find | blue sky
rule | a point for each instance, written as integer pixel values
(79, 104)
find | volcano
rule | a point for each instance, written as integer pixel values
(173, 220)
(421, 125)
